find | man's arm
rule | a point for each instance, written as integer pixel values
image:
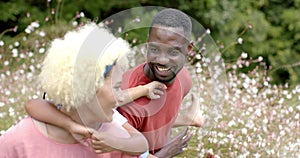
(46, 111)
(175, 146)
(103, 142)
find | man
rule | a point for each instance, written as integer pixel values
(168, 45)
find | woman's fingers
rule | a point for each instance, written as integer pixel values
(158, 92)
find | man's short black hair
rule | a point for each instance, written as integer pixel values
(173, 18)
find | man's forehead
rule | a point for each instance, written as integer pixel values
(163, 45)
(176, 30)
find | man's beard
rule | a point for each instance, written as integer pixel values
(163, 80)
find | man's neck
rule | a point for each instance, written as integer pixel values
(148, 73)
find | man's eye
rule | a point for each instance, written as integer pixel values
(153, 50)
(174, 52)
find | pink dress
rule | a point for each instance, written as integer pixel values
(24, 140)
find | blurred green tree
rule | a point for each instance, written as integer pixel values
(268, 28)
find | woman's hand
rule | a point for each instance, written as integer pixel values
(155, 89)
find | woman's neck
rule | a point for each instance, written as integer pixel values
(86, 120)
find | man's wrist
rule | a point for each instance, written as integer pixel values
(68, 124)
(162, 154)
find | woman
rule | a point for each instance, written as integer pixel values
(77, 76)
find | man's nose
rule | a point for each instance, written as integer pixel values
(163, 59)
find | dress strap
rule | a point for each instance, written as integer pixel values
(44, 95)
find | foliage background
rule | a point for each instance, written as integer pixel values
(275, 33)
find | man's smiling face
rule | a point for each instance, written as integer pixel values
(167, 49)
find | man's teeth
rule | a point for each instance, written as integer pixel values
(162, 68)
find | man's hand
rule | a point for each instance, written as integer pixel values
(175, 146)
(80, 132)
(101, 142)
(155, 89)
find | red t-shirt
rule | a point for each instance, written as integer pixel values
(154, 118)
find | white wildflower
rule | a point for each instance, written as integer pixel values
(208, 31)
(244, 55)
(35, 24)
(245, 85)
(41, 50)
(27, 30)
(218, 57)
(207, 60)
(240, 40)
(282, 133)
(244, 131)
(30, 54)
(291, 109)
(289, 96)
(257, 155)
(7, 92)
(15, 52)
(82, 14)
(34, 97)
(231, 123)
(74, 23)
(11, 109)
(7, 73)
(137, 19)
(22, 55)
(198, 70)
(17, 44)
(119, 29)
(265, 121)
(254, 90)
(281, 100)
(42, 34)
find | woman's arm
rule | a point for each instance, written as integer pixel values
(193, 117)
(46, 111)
(152, 90)
(136, 144)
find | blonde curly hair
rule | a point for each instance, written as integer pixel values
(73, 69)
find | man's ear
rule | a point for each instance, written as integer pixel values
(190, 47)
